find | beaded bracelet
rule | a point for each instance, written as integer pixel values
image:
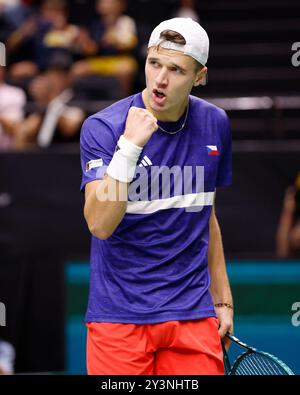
(228, 305)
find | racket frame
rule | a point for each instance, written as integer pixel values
(230, 370)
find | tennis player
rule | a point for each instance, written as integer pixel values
(159, 298)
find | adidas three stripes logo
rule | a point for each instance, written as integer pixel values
(145, 162)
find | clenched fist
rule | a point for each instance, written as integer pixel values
(140, 125)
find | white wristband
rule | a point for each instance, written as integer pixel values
(123, 164)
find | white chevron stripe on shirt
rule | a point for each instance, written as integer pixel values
(181, 201)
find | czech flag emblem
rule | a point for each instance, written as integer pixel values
(212, 150)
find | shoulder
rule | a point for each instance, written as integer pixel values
(13, 94)
(208, 108)
(213, 118)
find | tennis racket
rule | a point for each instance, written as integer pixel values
(254, 362)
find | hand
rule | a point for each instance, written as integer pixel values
(140, 125)
(225, 316)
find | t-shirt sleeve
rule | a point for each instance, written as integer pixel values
(224, 177)
(97, 146)
(16, 101)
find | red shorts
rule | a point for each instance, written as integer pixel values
(190, 347)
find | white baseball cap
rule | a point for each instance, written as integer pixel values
(197, 41)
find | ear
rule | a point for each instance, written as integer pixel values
(200, 77)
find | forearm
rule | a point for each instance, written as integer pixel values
(14, 40)
(106, 200)
(105, 207)
(220, 287)
(8, 125)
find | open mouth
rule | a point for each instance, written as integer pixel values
(158, 94)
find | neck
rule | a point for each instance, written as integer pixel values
(172, 115)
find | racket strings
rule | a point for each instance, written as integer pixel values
(258, 364)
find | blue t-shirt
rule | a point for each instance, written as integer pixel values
(154, 267)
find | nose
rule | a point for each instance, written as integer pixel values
(162, 77)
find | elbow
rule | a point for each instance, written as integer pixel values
(99, 231)
(96, 229)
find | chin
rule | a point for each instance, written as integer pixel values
(156, 107)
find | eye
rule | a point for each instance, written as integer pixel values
(154, 63)
(177, 70)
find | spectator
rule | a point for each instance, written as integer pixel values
(12, 102)
(44, 34)
(53, 119)
(288, 234)
(112, 38)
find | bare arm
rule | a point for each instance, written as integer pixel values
(9, 125)
(106, 200)
(27, 131)
(103, 215)
(220, 288)
(27, 29)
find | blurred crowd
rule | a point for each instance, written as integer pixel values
(53, 64)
